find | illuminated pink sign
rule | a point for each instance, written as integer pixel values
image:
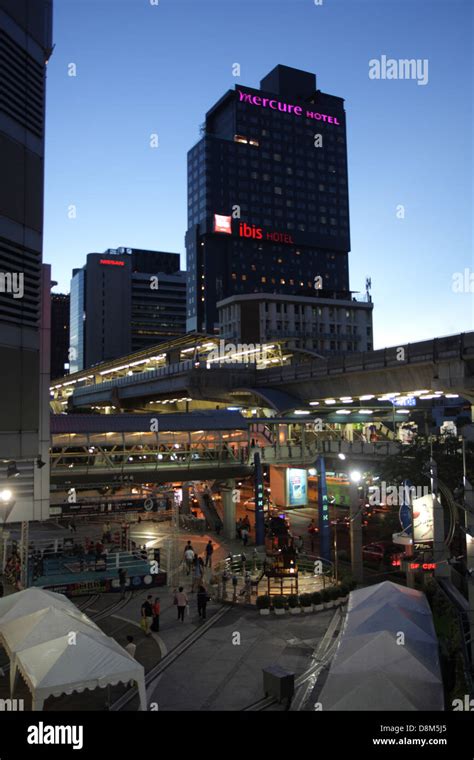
(223, 224)
(278, 105)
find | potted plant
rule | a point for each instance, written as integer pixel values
(306, 603)
(344, 593)
(263, 604)
(326, 599)
(317, 601)
(279, 605)
(334, 594)
(294, 604)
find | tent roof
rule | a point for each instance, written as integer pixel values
(373, 668)
(31, 600)
(57, 667)
(42, 626)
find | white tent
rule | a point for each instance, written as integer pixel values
(31, 600)
(387, 657)
(94, 661)
(41, 626)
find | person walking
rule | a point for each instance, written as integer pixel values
(218, 527)
(147, 615)
(202, 600)
(209, 552)
(188, 558)
(235, 581)
(181, 601)
(244, 535)
(122, 581)
(312, 531)
(198, 566)
(155, 626)
(131, 647)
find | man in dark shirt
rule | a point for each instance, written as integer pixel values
(147, 615)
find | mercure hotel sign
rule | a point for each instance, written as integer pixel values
(278, 105)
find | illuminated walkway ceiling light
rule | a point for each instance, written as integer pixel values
(343, 411)
(329, 401)
(366, 411)
(366, 397)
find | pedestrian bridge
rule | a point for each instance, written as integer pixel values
(107, 448)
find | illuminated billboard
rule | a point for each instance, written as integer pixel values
(423, 519)
(297, 487)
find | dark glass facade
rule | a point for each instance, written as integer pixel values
(59, 334)
(275, 161)
(125, 300)
(25, 46)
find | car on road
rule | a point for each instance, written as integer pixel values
(381, 553)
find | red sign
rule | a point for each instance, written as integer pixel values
(257, 233)
(112, 263)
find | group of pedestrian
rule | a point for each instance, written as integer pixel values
(181, 601)
(195, 564)
(150, 615)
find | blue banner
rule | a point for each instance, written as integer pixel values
(259, 498)
(323, 509)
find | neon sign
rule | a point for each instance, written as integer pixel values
(257, 233)
(112, 263)
(278, 105)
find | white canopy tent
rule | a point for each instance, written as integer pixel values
(387, 657)
(31, 600)
(35, 630)
(40, 627)
(94, 661)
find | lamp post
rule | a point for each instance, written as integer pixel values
(7, 503)
(356, 527)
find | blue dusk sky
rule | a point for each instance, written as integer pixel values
(143, 69)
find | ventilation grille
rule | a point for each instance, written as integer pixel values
(15, 261)
(21, 86)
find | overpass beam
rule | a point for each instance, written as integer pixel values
(228, 503)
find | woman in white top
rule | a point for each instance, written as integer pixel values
(181, 600)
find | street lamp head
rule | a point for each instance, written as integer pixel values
(355, 476)
(312, 471)
(341, 455)
(6, 495)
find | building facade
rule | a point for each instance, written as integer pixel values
(124, 300)
(25, 47)
(268, 205)
(323, 325)
(59, 334)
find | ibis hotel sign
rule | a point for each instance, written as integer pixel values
(279, 105)
(224, 224)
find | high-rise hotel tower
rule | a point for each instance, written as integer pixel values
(268, 219)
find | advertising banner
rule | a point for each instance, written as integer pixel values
(423, 527)
(297, 487)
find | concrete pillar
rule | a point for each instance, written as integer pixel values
(228, 504)
(356, 534)
(185, 505)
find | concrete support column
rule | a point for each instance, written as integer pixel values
(185, 505)
(356, 534)
(229, 509)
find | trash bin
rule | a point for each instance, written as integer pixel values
(278, 683)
